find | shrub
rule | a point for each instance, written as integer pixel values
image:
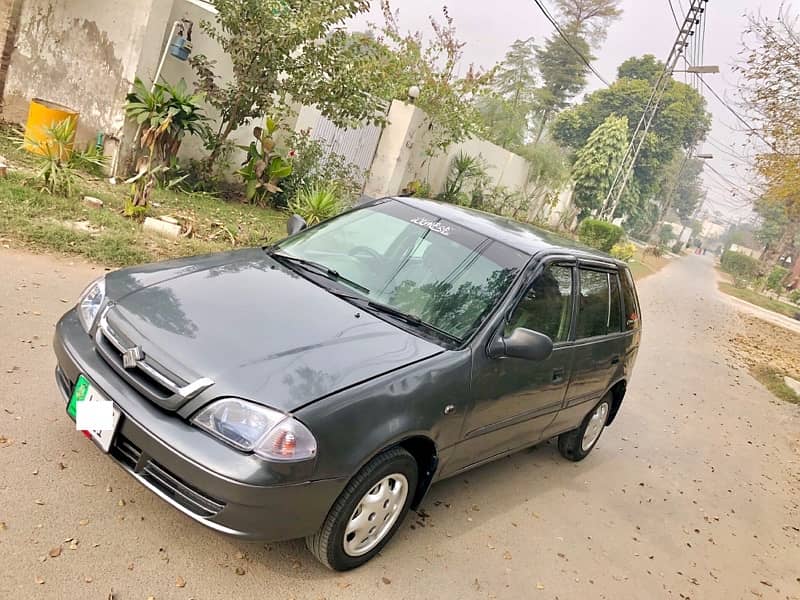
(264, 168)
(599, 234)
(744, 269)
(58, 164)
(316, 204)
(666, 235)
(677, 247)
(775, 280)
(795, 297)
(418, 189)
(623, 251)
(313, 165)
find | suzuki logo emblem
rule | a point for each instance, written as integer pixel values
(132, 356)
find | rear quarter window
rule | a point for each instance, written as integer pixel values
(633, 319)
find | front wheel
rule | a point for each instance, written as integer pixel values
(367, 513)
(575, 445)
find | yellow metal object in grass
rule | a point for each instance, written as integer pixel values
(43, 116)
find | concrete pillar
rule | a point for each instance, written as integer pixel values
(397, 150)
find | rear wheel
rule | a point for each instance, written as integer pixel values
(367, 513)
(575, 445)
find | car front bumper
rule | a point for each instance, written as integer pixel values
(224, 489)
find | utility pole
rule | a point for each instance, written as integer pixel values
(655, 232)
(690, 23)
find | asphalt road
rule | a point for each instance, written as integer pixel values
(693, 493)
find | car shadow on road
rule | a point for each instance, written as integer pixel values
(452, 509)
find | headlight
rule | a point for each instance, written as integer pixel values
(90, 302)
(253, 428)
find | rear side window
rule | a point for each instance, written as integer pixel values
(632, 316)
(599, 310)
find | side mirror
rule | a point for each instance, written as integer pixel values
(295, 224)
(522, 343)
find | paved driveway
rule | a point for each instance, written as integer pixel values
(692, 494)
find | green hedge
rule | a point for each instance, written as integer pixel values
(744, 269)
(775, 280)
(599, 234)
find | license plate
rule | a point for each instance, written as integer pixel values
(85, 392)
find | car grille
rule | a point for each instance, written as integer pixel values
(149, 378)
(189, 497)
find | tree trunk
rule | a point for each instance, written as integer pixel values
(10, 14)
(222, 137)
(542, 125)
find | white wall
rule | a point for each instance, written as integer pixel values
(80, 53)
(403, 156)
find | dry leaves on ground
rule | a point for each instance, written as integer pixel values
(757, 342)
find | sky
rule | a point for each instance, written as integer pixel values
(646, 27)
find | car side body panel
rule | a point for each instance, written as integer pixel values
(353, 426)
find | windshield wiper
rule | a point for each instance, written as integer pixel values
(320, 268)
(396, 314)
(410, 320)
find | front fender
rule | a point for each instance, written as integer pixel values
(353, 426)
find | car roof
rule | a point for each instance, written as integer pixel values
(521, 236)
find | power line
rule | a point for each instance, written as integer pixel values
(674, 16)
(727, 149)
(734, 186)
(569, 43)
(733, 111)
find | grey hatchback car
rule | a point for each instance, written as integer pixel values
(316, 388)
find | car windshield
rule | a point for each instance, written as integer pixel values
(411, 261)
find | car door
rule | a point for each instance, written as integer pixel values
(599, 346)
(514, 400)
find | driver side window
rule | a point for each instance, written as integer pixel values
(547, 305)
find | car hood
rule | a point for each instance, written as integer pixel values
(256, 328)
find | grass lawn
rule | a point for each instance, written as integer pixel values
(643, 265)
(752, 297)
(772, 379)
(36, 220)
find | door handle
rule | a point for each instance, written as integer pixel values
(615, 360)
(558, 375)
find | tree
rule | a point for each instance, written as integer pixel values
(771, 78)
(563, 75)
(689, 192)
(395, 61)
(282, 51)
(584, 24)
(507, 109)
(596, 162)
(547, 174)
(646, 68)
(590, 18)
(681, 122)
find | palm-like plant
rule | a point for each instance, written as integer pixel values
(59, 162)
(171, 110)
(165, 115)
(316, 204)
(463, 169)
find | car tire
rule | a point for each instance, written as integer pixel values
(576, 445)
(380, 493)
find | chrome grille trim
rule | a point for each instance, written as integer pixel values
(180, 392)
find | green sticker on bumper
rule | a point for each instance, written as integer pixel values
(78, 395)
